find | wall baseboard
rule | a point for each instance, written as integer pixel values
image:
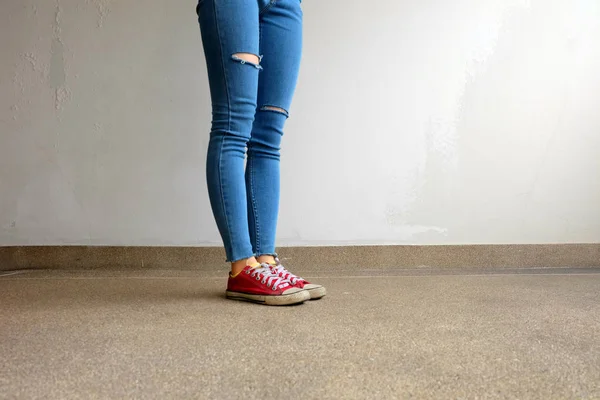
(332, 257)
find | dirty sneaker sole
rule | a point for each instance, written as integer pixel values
(289, 297)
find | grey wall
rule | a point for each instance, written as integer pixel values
(417, 121)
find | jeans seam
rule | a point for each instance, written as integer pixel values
(223, 68)
(254, 208)
(220, 47)
(221, 195)
(251, 162)
(266, 8)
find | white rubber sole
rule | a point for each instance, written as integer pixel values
(289, 297)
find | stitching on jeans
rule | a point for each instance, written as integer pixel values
(228, 246)
(254, 208)
(228, 129)
(251, 161)
(223, 68)
(266, 8)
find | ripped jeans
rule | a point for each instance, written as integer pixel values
(250, 104)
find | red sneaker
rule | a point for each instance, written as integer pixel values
(315, 291)
(261, 285)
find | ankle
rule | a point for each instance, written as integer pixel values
(238, 266)
(266, 259)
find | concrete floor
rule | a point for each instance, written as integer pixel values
(378, 334)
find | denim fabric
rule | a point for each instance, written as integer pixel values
(244, 193)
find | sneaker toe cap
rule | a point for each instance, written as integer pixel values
(309, 286)
(315, 291)
(292, 291)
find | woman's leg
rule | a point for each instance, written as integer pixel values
(230, 35)
(281, 47)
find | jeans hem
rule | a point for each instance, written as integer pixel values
(234, 259)
(273, 254)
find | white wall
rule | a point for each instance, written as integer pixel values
(417, 121)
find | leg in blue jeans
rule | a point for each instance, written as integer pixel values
(281, 47)
(250, 104)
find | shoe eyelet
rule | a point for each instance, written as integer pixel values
(263, 281)
(257, 278)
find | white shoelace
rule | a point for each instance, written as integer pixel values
(281, 271)
(265, 274)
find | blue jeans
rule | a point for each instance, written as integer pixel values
(250, 103)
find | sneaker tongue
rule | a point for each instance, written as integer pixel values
(254, 266)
